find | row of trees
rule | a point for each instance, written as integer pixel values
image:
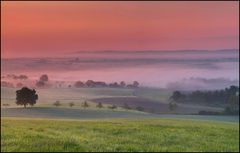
(100, 105)
(228, 98)
(92, 84)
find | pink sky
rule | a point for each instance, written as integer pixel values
(31, 29)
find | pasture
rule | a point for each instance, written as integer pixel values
(20, 134)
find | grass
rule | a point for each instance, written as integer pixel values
(65, 95)
(18, 134)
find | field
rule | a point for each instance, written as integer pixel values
(118, 135)
(48, 128)
(152, 100)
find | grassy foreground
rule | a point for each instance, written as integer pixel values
(18, 134)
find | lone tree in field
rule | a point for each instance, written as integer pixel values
(71, 104)
(85, 104)
(125, 106)
(57, 103)
(112, 107)
(26, 96)
(99, 105)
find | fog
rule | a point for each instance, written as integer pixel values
(172, 69)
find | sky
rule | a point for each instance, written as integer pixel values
(51, 29)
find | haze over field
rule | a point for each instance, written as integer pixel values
(190, 69)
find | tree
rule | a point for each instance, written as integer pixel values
(125, 106)
(26, 96)
(71, 104)
(90, 83)
(112, 107)
(85, 104)
(122, 84)
(172, 106)
(99, 105)
(139, 108)
(43, 78)
(135, 84)
(79, 84)
(57, 103)
(177, 96)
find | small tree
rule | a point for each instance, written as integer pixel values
(122, 84)
(26, 96)
(139, 108)
(135, 84)
(125, 106)
(178, 96)
(112, 107)
(85, 104)
(57, 103)
(71, 104)
(99, 105)
(44, 78)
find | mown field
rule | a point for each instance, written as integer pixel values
(22, 134)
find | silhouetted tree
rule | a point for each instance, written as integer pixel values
(114, 85)
(85, 104)
(178, 97)
(122, 84)
(90, 83)
(139, 108)
(57, 103)
(125, 106)
(26, 96)
(135, 84)
(99, 105)
(43, 78)
(79, 84)
(71, 104)
(112, 107)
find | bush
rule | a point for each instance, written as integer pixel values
(71, 104)
(57, 103)
(139, 108)
(125, 106)
(99, 105)
(112, 107)
(85, 104)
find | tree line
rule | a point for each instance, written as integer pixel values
(92, 84)
(227, 98)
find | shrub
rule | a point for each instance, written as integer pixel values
(85, 104)
(57, 103)
(99, 105)
(71, 104)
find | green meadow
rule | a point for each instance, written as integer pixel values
(48, 135)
